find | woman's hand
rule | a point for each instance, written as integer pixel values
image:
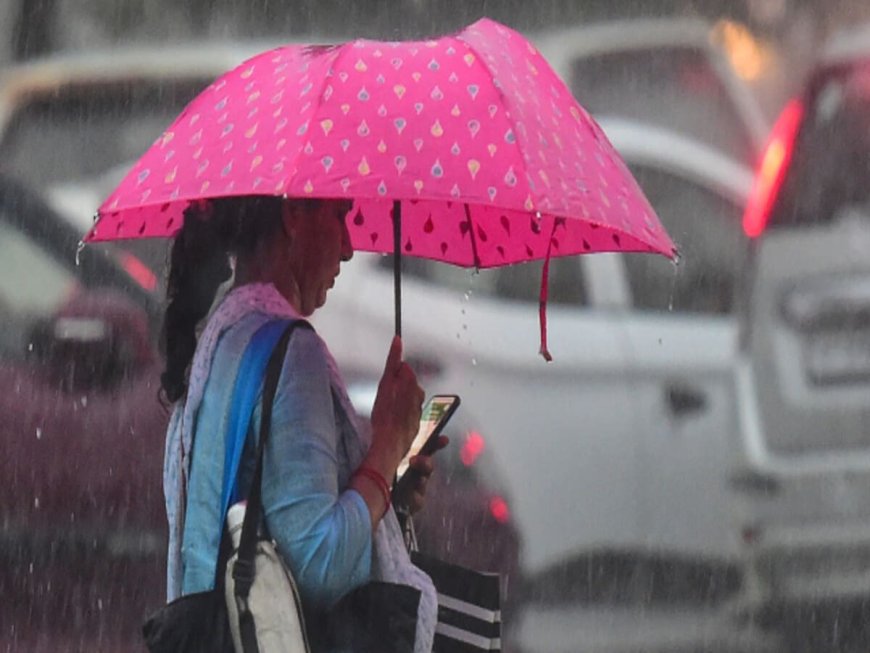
(411, 490)
(395, 421)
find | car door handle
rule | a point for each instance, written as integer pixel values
(684, 400)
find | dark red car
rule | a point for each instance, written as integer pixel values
(82, 527)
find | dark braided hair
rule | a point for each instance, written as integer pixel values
(199, 263)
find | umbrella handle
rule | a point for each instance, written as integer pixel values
(397, 263)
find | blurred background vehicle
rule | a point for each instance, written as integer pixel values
(81, 425)
(665, 72)
(616, 458)
(804, 372)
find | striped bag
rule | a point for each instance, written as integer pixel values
(469, 616)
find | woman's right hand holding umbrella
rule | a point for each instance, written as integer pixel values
(395, 420)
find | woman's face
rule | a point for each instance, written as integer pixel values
(319, 242)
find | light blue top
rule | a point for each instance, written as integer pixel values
(322, 530)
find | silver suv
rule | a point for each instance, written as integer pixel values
(804, 363)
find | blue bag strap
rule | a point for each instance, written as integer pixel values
(247, 387)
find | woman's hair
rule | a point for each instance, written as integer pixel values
(199, 263)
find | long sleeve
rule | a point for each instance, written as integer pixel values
(323, 533)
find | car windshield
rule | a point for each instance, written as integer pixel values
(612, 83)
(829, 178)
(112, 123)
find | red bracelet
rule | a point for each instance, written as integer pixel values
(374, 475)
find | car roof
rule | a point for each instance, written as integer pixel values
(193, 60)
(633, 34)
(641, 143)
(847, 45)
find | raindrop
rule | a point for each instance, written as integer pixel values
(36, 503)
(474, 361)
(30, 346)
(84, 401)
(676, 262)
(38, 433)
(79, 249)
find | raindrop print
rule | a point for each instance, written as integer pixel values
(616, 240)
(473, 90)
(473, 127)
(481, 234)
(409, 247)
(455, 149)
(429, 226)
(473, 167)
(382, 188)
(443, 248)
(506, 224)
(363, 95)
(358, 219)
(400, 163)
(437, 170)
(363, 129)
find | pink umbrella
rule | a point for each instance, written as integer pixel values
(471, 142)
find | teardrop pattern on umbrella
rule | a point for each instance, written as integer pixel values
(481, 118)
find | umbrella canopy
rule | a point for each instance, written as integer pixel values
(472, 138)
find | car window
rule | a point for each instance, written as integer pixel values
(520, 282)
(707, 230)
(677, 88)
(829, 176)
(33, 285)
(81, 131)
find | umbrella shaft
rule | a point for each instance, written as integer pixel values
(397, 263)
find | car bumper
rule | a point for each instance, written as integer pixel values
(807, 566)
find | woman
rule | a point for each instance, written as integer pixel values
(325, 486)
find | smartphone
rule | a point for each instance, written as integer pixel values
(436, 413)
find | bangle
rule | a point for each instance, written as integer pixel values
(378, 479)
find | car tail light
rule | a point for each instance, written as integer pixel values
(774, 164)
(499, 510)
(140, 272)
(472, 448)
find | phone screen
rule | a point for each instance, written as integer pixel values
(436, 412)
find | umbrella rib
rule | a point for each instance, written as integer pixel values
(481, 61)
(320, 101)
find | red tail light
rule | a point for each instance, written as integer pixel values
(472, 448)
(139, 271)
(771, 173)
(499, 510)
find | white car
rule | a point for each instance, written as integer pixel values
(615, 458)
(620, 443)
(804, 363)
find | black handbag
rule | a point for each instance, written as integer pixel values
(199, 622)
